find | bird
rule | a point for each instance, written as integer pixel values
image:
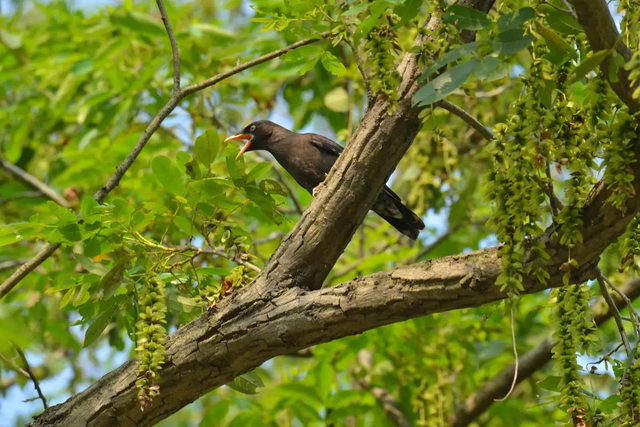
(308, 158)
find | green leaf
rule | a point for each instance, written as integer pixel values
(466, 18)
(610, 404)
(551, 383)
(68, 296)
(91, 265)
(516, 19)
(96, 328)
(113, 278)
(215, 415)
(83, 66)
(308, 66)
(560, 21)
(337, 100)
(138, 22)
(83, 295)
(272, 187)
(443, 85)
(589, 64)
(511, 41)
(408, 10)
(332, 64)
(449, 57)
(184, 224)
(90, 210)
(213, 30)
(168, 174)
(62, 287)
(259, 170)
(206, 148)
(247, 383)
(560, 50)
(301, 392)
(486, 67)
(375, 10)
(324, 377)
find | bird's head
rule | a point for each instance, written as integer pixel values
(256, 134)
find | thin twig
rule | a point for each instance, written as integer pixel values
(174, 46)
(361, 67)
(554, 200)
(236, 259)
(616, 313)
(153, 126)
(472, 121)
(36, 384)
(603, 358)
(5, 265)
(34, 182)
(635, 317)
(11, 364)
(235, 70)
(485, 94)
(515, 353)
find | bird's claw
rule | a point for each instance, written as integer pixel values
(317, 190)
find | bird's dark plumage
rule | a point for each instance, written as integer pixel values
(309, 157)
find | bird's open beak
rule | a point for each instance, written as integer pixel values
(244, 136)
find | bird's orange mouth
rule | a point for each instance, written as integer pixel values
(241, 136)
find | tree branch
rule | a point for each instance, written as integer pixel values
(615, 312)
(601, 31)
(174, 46)
(32, 376)
(481, 401)
(34, 182)
(153, 126)
(468, 118)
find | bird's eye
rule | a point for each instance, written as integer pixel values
(252, 128)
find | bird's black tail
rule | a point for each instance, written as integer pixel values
(389, 206)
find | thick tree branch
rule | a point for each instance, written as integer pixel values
(34, 182)
(153, 126)
(595, 18)
(534, 360)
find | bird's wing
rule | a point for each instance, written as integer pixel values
(325, 144)
(328, 146)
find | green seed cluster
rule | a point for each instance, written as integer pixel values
(630, 393)
(382, 46)
(151, 336)
(630, 243)
(565, 352)
(517, 199)
(618, 158)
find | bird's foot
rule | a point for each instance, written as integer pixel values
(317, 190)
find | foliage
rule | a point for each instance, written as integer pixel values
(189, 224)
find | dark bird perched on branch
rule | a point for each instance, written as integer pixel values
(309, 157)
